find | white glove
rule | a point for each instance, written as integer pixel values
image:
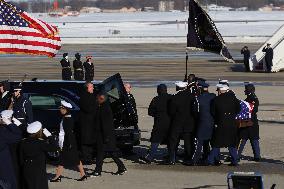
(46, 133)
(17, 122)
(6, 121)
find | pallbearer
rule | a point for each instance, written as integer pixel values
(66, 68)
(9, 134)
(205, 123)
(78, 68)
(33, 156)
(69, 155)
(252, 132)
(105, 137)
(89, 69)
(224, 110)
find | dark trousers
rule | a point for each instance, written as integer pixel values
(66, 74)
(100, 155)
(215, 155)
(188, 145)
(268, 65)
(78, 75)
(254, 145)
(201, 145)
(246, 63)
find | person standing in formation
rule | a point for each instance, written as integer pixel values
(78, 68)
(246, 52)
(182, 111)
(9, 134)
(205, 124)
(105, 137)
(33, 151)
(252, 132)
(88, 107)
(268, 57)
(224, 110)
(5, 100)
(69, 155)
(159, 109)
(89, 69)
(66, 68)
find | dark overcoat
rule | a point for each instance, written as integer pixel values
(251, 133)
(9, 135)
(69, 155)
(78, 70)
(5, 102)
(159, 109)
(66, 69)
(205, 121)
(224, 109)
(33, 161)
(105, 127)
(88, 107)
(182, 110)
(268, 55)
(89, 71)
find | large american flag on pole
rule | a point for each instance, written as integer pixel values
(20, 33)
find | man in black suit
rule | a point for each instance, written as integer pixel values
(268, 57)
(246, 52)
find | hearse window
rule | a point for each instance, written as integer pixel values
(45, 102)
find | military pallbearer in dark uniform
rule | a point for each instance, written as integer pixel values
(205, 124)
(246, 52)
(105, 137)
(251, 132)
(159, 110)
(22, 107)
(183, 112)
(224, 110)
(78, 68)
(9, 134)
(66, 68)
(268, 57)
(33, 157)
(89, 69)
(69, 154)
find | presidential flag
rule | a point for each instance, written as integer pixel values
(246, 111)
(203, 34)
(20, 33)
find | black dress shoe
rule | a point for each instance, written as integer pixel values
(218, 163)
(170, 163)
(257, 159)
(233, 164)
(58, 179)
(95, 174)
(121, 172)
(83, 178)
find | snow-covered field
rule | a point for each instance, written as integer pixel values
(158, 27)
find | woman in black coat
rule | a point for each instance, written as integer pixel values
(66, 67)
(251, 133)
(69, 155)
(159, 109)
(105, 138)
(33, 157)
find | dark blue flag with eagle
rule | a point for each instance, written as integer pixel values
(203, 34)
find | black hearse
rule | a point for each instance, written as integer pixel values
(46, 96)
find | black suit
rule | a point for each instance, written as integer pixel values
(78, 70)
(66, 69)
(105, 138)
(268, 58)
(182, 109)
(246, 54)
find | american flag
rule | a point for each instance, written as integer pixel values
(20, 33)
(246, 110)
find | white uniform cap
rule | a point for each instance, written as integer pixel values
(223, 81)
(181, 84)
(7, 114)
(34, 127)
(66, 104)
(222, 87)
